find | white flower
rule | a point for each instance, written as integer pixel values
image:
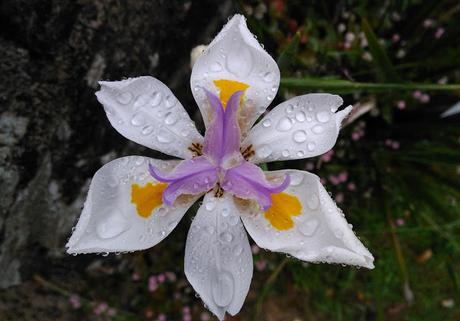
(134, 202)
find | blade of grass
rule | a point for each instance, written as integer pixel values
(346, 86)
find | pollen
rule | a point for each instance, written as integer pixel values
(284, 207)
(147, 197)
(227, 88)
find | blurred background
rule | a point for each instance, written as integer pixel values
(395, 170)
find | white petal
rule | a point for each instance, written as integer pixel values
(109, 221)
(304, 126)
(145, 111)
(235, 54)
(320, 232)
(218, 259)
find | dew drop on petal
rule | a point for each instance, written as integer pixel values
(296, 178)
(124, 98)
(170, 101)
(285, 153)
(226, 237)
(300, 136)
(311, 146)
(313, 201)
(263, 151)
(147, 130)
(138, 120)
(309, 227)
(268, 76)
(171, 118)
(141, 101)
(222, 288)
(113, 225)
(323, 116)
(300, 116)
(215, 67)
(267, 123)
(318, 129)
(284, 124)
(155, 99)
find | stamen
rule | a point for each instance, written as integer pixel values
(248, 152)
(218, 191)
(196, 149)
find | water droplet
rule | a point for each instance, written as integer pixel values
(313, 201)
(290, 108)
(210, 229)
(309, 227)
(124, 98)
(300, 153)
(318, 129)
(141, 101)
(138, 120)
(237, 250)
(267, 123)
(311, 146)
(113, 225)
(268, 76)
(171, 118)
(296, 178)
(139, 160)
(240, 61)
(216, 66)
(284, 124)
(300, 136)
(147, 130)
(300, 116)
(222, 288)
(170, 101)
(164, 137)
(338, 233)
(263, 151)
(225, 212)
(323, 116)
(233, 220)
(210, 205)
(112, 181)
(285, 153)
(225, 237)
(155, 99)
(309, 119)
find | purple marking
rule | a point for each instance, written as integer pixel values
(221, 162)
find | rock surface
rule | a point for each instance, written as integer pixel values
(53, 133)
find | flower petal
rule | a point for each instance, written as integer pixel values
(145, 111)
(123, 210)
(236, 55)
(304, 126)
(248, 181)
(218, 259)
(319, 233)
(191, 177)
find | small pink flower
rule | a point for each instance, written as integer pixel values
(439, 32)
(261, 265)
(152, 283)
(351, 186)
(161, 317)
(343, 177)
(425, 98)
(161, 278)
(100, 308)
(334, 180)
(135, 276)
(417, 94)
(350, 37)
(148, 313)
(255, 249)
(428, 23)
(400, 222)
(396, 37)
(355, 136)
(401, 104)
(395, 145)
(327, 156)
(171, 276)
(186, 310)
(186, 317)
(339, 198)
(323, 181)
(388, 142)
(75, 301)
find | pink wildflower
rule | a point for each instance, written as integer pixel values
(339, 198)
(75, 301)
(261, 265)
(401, 104)
(439, 32)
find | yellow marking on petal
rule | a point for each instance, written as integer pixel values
(147, 198)
(284, 206)
(228, 88)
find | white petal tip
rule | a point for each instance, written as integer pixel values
(341, 115)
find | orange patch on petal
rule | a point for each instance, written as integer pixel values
(147, 198)
(284, 206)
(228, 88)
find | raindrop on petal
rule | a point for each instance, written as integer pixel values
(113, 225)
(309, 227)
(323, 116)
(222, 288)
(284, 124)
(124, 98)
(300, 136)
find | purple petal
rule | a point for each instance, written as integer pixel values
(231, 137)
(248, 181)
(192, 176)
(215, 132)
